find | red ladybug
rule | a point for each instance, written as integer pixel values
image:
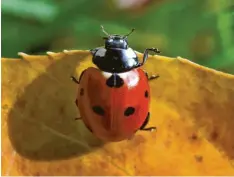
(113, 99)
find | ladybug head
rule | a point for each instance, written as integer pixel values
(116, 41)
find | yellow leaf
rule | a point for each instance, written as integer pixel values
(192, 107)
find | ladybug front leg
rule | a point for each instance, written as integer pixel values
(143, 126)
(146, 52)
(74, 80)
(152, 77)
(77, 118)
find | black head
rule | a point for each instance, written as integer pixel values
(116, 41)
(116, 57)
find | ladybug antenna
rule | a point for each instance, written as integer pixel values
(103, 30)
(125, 36)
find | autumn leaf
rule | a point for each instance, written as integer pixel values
(192, 107)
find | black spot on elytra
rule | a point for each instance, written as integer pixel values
(81, 92)
(129, 111)
(146, 94)
(115, 81)
(98, 110)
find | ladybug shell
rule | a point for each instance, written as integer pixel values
(110, 113)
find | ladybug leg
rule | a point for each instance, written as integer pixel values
(143, 126)
(146, 52)
(152, 77)
(78, 118)
(74, 80)
(76, 102)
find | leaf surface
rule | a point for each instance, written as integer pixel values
(192, 107)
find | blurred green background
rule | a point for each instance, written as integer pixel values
(200, 30)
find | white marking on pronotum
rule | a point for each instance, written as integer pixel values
(106, 74)
(22, 55)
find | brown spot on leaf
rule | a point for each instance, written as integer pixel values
(214, 135)
(61, 110)
(21, 104)
(198, 158)
(5, 106)
(167, 143)
(138, 139)
(194, 137)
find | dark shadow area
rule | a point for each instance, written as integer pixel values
(42, 119)
(39, 48)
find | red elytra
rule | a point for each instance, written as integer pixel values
(113, 114)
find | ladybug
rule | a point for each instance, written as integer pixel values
(113, 98)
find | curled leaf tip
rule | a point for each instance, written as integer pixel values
(21, 54)
(49, 53)
(66, 51)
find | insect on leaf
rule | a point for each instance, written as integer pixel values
(192, 107)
